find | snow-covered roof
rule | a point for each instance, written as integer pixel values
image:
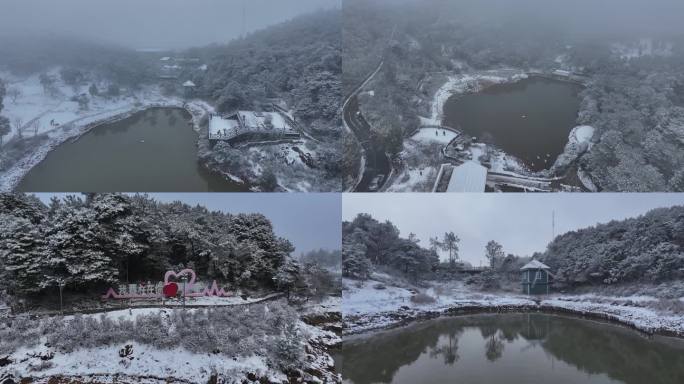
(468, 177)
(226, 128)
(221, 127)
(189, 84)
(535, 264)
(257, 120)
(165, 58)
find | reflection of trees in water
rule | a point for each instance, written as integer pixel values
(494, 348)
(153, 117)
(590, 347)
(377, 359)
(619, 353)
(121, 125)
(449, 349)
(494, 342)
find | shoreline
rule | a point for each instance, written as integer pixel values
(197, 109)
(466, 83)
(404, 317)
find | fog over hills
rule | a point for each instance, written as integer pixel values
(150, 24)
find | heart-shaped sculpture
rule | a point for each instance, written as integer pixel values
(177, 275)
(170, 290)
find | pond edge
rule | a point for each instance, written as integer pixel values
(403, 317)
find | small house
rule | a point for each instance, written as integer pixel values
(536, 278)
(470, 176)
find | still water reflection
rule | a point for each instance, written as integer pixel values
(511, 348)
(152, 151)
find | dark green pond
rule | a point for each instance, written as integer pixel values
(152, 151)
(530, 119)
(511, 348)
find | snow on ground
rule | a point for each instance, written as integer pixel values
(582, 134)
(144, 307)
(579, 141)
(468, 82)
(329, 304)
(373, 304)
(360, 297)
(504, 163)
(585, 179)
(641, 318)
(413, 179)
(417, 174)
(61, 119)
(144, 360)
(374, 297)
(283, 153)
(442, 136)
(149, 364)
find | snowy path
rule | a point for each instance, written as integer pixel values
(194, 303)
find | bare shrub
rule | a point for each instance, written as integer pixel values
(675, 306)
(269, 329)
(422, 298)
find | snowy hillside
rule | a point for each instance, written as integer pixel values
(155, 345)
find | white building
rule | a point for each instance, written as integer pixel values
(470, 176)
(562, 73)
(251, 125)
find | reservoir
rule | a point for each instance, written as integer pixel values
(530, 119)
(151, 151)
(511, 348)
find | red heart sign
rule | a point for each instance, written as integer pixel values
(170, 290)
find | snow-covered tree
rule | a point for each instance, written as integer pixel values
(95, 239)
(449, 244)
(5, 128)
(23, 254)
(494, 253)
(354, 261)
(93, 90)
(289, 278)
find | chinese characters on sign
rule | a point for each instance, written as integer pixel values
(168, 288)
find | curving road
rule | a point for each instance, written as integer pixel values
(377, 164)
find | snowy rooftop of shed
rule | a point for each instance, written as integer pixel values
(468, 177)
(188, 84)
(534, 264)
(255, 121)
(221, 126)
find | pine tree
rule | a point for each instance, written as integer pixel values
(450, 243)
(23, 254)
(354, 261)
(289, 278)
(494, 253)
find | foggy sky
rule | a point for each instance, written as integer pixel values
(585, 18)
(145, 24)
(309, 220)
(519, 222)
